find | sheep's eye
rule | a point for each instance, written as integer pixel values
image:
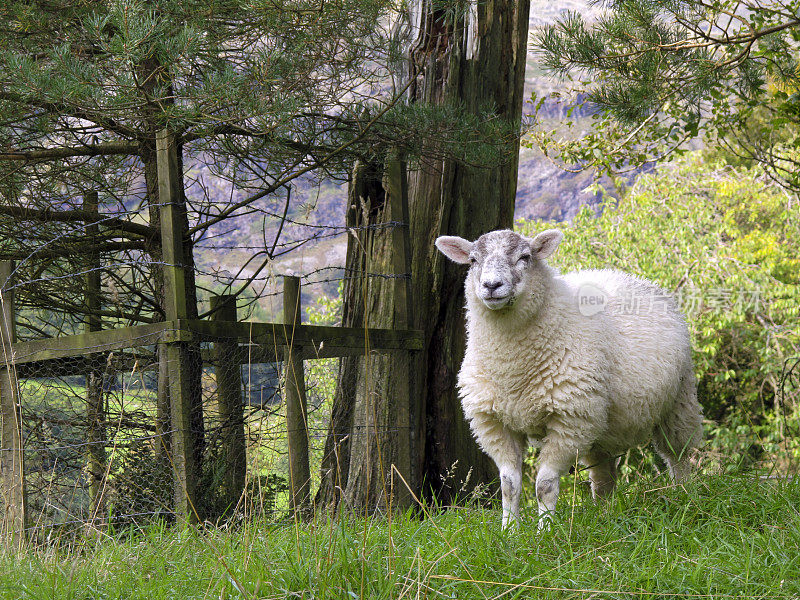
(472, 260)
(524, 258)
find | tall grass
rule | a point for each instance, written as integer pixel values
(726, 536)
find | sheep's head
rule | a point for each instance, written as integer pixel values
(503, 264)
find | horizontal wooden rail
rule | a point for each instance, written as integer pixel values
(263, 342)
(317, 341)
(81, 344)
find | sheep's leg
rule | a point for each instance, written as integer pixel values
(548, 482)
(679, 432)
(510, 487)
(555, 459)
(505, 448)
(602, 473)
(673, 445)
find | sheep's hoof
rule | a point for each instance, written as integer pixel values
(510, 522)
(545, 521)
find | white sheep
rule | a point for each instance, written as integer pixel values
(585, 365)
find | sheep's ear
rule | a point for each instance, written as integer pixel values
(545, 243)
(455, 248)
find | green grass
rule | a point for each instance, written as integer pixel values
(716, 537)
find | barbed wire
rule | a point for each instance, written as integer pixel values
(219, 275)
(337, 231)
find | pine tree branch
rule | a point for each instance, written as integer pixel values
(124, 148)
(62, 108)
(566, 30)
(232, 129)
(64, 305)
(224, 214)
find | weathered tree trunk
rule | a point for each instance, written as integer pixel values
(485, 67)
(366, 206)
(480, 63)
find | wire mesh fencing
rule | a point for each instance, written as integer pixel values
(97, 435)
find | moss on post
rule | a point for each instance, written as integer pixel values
(176, 353)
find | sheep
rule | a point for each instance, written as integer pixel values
(584, 365)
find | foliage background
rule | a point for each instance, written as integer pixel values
(724, 240)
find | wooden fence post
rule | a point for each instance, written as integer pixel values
(296, 405)
(405, 405)
(95, 413)
(177, 355)
(163, 437)
(12, 464)
(231, 408)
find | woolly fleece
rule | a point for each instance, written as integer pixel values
(586, 365)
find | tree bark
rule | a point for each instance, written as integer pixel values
(366, 203)
(479, 62)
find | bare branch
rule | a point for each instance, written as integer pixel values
(106, 149)
(73, 216)
(71, 251)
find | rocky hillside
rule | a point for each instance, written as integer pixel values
(545, 191)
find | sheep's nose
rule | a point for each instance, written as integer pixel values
(491, 284)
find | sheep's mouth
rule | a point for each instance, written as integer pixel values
(497, 302)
